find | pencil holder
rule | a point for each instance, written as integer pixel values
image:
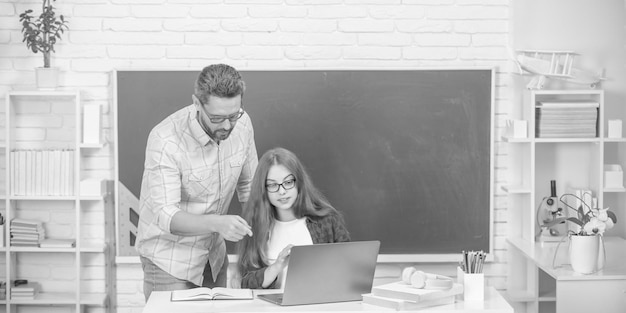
(473, 285)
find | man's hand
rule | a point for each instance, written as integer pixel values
(232, 227)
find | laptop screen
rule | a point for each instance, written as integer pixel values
(331, 272)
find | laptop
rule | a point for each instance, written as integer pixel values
(329, 272)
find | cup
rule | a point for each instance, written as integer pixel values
(473, 285)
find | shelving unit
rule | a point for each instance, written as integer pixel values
(534, 285)
(42, 120)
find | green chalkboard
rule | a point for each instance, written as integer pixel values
(406, 155)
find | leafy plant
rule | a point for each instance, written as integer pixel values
(41, 33)
(592, 221)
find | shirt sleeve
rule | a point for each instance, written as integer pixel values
(163, 179)
(254, 279)
(244, 184)
(340, 232)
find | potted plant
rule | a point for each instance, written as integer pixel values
(41, 34)
(586, 246)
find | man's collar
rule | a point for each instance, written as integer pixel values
(196, 129)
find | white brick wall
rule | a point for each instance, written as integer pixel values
(190, 34)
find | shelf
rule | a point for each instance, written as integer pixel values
(91, 145)
(614, 139)
(622, 189)
(566, 140)
(46, 93)
(48, 298)
(91, 198)
(90, 247)
(515, 140)
(548, 296)
(516, 189)
(72, 293)
(54, 198)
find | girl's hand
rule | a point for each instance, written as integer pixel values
(272, 271)
(283, 256)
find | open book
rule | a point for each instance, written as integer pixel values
(217, 293)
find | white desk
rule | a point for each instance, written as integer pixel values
(604, 291)
(159, 302)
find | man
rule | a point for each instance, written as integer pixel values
(195, 160)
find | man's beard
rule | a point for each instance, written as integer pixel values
(219, 134)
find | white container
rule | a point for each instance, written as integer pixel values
(615, 129)
(613, 176)
(91, 124)
(473, 285)
(92, 187)
(47, 78)
(517, 128)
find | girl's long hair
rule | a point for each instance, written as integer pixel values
(260, 214)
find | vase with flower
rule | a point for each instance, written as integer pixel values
(586, 250)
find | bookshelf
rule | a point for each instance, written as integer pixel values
(533, 284)
(39, 122)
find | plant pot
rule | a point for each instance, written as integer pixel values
(584, 253)
(47, 78)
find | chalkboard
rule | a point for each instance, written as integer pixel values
(405, 155)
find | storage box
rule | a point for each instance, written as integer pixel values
(92, 187)
(613, 176)
(473, 285)
(517, 129)
(91, 124)
(615, 129)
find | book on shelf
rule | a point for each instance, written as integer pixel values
(405, 305)
(26, 233)
(57, 243)
(28, 288)
(403, 291)
(21, 244)
(561, 121)
(42, 172)
(25, 236)
(571, 104)
(217, 293)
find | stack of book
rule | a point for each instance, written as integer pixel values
(26, 233)
(402, 296)
(25, 292)
(571, 119)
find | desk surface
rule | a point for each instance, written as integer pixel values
(160, 302)
(542, 255)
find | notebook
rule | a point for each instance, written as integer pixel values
(331, 272)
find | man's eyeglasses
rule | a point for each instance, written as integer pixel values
(288, 184)
(217, 119)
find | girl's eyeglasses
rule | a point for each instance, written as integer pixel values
(288, 184)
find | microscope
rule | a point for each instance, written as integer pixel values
(549, 211)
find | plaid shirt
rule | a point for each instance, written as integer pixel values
(185, 170)
(324, 229)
